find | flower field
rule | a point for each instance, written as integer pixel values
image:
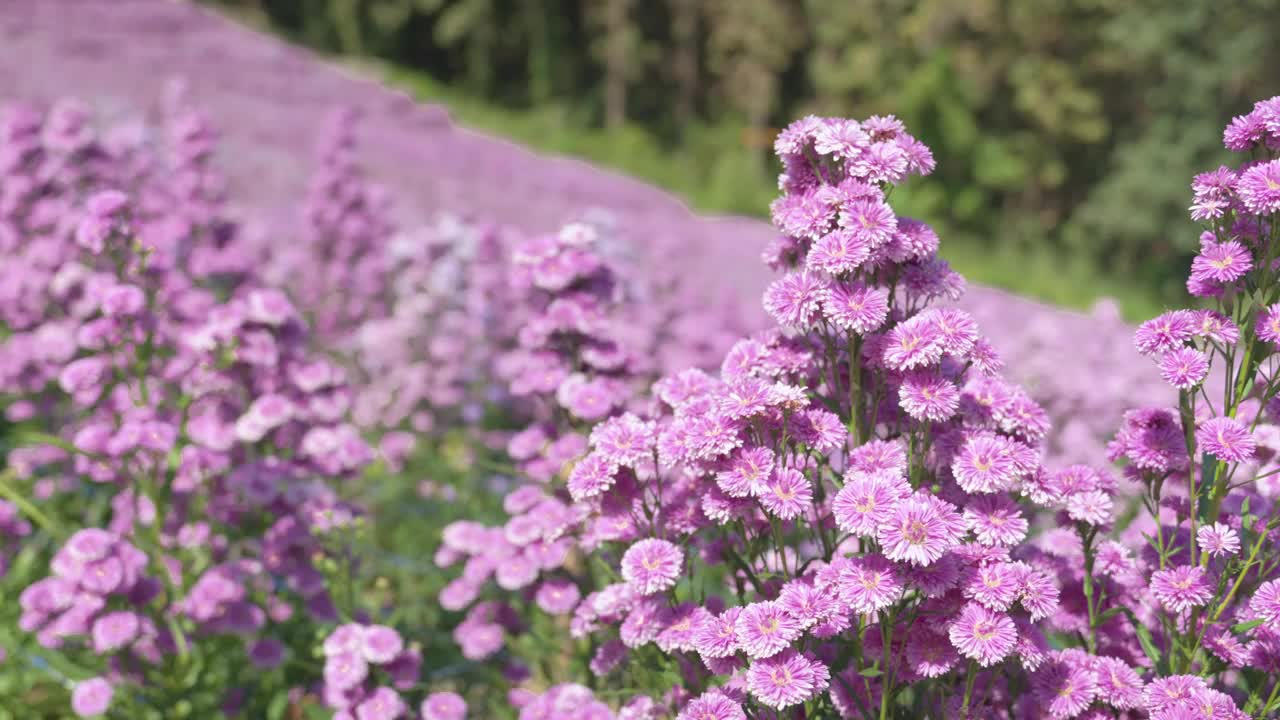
(317, 405)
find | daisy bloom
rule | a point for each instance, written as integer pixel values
(1259, 188)
(795, 300)
(717, 637)
(921, 529)
(856, 307)
(867, 583)
(444, 706)
(983, 635)
(929, 397)
(652, 565)
(787, 493)
(986, 463)
(994, 520)
(712, 705)
(1181, 588)
(1266, 601)
(1184, 368)
(1269, 324)
(786, 679)
(1227, 439)
(764, 629)
(865, 501)
(1218, 539)
(1092, 507)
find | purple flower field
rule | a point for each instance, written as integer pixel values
(318, 405)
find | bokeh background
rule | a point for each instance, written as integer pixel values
(1065, 130)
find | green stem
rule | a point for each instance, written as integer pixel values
(26, 506)
(970, 675)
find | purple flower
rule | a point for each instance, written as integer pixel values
(652, 565)
(837, 252)
(786, 494)
(444, 706)
(382, 704)
(921, 529)
(912, 344)
(1259, 188)
(114, 631)
(1166, 332)
(986, 463)
(1218, 539)
(1184, 368)
(995, 520)
(1093, 507)
(345, 670)
(1227, 439)
(867, 584)
(717, 637)
(1265, 603)
(557, 596)
(786, 679)
(983, 635)
(865, 501)
(1181, 588)
(712, 705)
(1221, 263)
(1268, 324)
(380, 644)
(796, 299)
(92, 698)
(856, 307)
(764, 629)
(267, 653)
(929, 397)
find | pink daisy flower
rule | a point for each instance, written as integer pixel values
(746, 471)
(838, 252)
(1266, 602)
(995, 520)
(1259, 188)
(1184, 368)
(1093, 507)
(867, 584)
(591, 476)
(864, 502)
(717, 637)
(786, 679)
(787, 493)
(879, 455)
(871, 222)
(1166, 332)
(1269, 324)
(795, 300)
(921, 529)
(1171, 691)
(1218, 539)
(983, 635)
(745, 397)
(652, 565)
(1181, 588)
(882, 162)
(712, 705)
(843, 138)
(930, 655)
(1065, 687)
(1038, 592)
(764, 629)
(1221, 262)
(856, 307)
(995, 586)
(929, 397)
(1227, 439)
(1118, 684)
(986, 463)
(1217, 327)
(912, 344)
(806, 602)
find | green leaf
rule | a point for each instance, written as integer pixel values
(1244, 627)
(1109, 614)
(871, 672)
(1144, 638)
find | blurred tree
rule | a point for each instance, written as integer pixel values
(616, 46)
(750, 43)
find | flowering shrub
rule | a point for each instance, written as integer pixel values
(214, 502)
